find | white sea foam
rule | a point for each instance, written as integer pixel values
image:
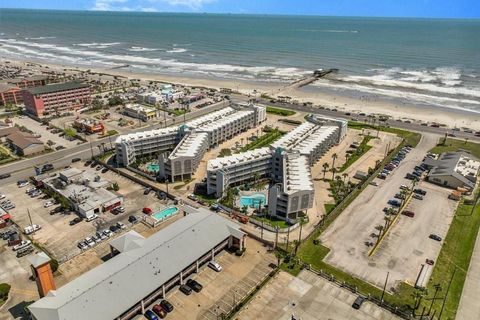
(177, 50)
(96, 45)
(40, 38)
(142, 49)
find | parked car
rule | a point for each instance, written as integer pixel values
(104, 170)
(435, 237)
(404, 187)
(7, 234)
(358, 302)
(21, 245)
(31, 229)
(374, 183)
(166, 305)
(417, 196)
(75, 221)
(408, 213)
(89, 241)
(82, 245)
(159, 311)
(76, 160)
(215, 266)
(121, 225)
(87, 163)
(48, 203)
(98, 168)
(394, 202)
(400, 196)
(185, 289)
(197, 287)
(108, 233)
(22, 183)
(429, 261)
(420, 191)
(113, 228)
(92, 217)
(147, 191)
(132, 219)
(150, 315)
(5, 176)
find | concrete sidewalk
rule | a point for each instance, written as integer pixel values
(469, 308)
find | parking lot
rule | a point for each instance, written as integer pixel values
(307, 297)
(407, 245)
(222, 290)
(46, 135)
(56, 234)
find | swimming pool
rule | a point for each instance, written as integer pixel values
(165, 213)
(253, 200)
(153, 167)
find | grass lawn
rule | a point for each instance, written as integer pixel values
(280, 112)
(263, 141)
(411, 138)
(273, 222)
(455, 145)
(358, 153)
(329, 207)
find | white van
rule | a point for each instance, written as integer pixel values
(31, 229)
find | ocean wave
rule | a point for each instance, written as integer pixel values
(424, 98)
(247, 71)
(441, 80)
(142, 49)
(97, 45)
(177, 50)
(326, 30)
(40, 38)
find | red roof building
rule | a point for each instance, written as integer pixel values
(10, 94)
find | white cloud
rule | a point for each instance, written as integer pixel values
(152, 5)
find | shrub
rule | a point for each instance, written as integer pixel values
(54, 265)
(4, 290)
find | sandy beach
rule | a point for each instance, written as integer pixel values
(449, 117)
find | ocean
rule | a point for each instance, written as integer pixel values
(434, 62)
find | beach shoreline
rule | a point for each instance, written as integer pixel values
(449, 117)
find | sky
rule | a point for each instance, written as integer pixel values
(370, 8)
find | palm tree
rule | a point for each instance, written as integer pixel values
(333, 173)
(325, 169)
(334, 157)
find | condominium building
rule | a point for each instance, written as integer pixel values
(295, 193)
(56, 98)
(141, 112)
(219, 126)
(185, 158)
(233, 170)
(286, 162)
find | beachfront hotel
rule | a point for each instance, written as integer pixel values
(180, 148)
(286, 162)
(56, 98)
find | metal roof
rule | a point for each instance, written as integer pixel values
(113, 287)
(56, 87)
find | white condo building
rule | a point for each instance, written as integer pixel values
(286, 162)
(181, 148)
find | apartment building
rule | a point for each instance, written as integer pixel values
(295, 193)
(286, 163)
(219, 126)
(236, 169)
(184, 160)
(10, 94)
(56, 98)
(28, 82)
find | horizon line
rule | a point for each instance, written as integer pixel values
(244, 14)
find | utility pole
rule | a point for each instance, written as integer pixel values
(384, 287)
(437, 288)
(30, 218)
(276, 237)
(288, 238)
(446, 294)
